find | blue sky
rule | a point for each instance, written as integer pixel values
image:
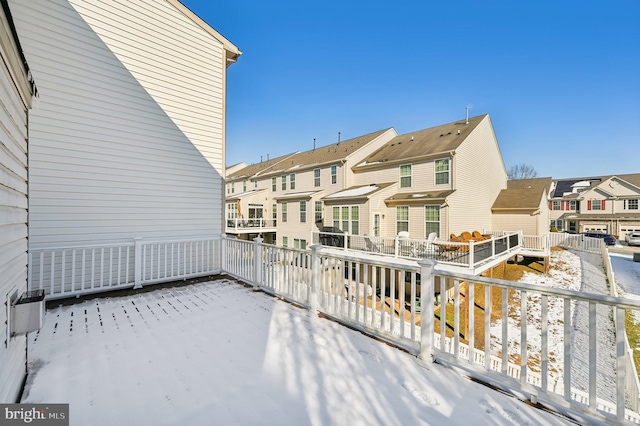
(561, 80)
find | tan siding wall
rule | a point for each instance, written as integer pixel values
(479, 177)
(527, 223)
(108, 161)
(13, 207)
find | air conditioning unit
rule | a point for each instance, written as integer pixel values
(27, 313)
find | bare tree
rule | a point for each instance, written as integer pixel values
(522, 171)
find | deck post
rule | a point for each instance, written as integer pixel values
(314, 288)
(137, 262)
(257, 262)
(427, 289)
(223, 253)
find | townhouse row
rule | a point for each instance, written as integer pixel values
(446, 179)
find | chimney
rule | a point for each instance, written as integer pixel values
(467, 120)
(314, 144)
(267, 157)
(338, 138)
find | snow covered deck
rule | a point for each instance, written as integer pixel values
(220, 353)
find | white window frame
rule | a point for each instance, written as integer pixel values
(436, 172)
(593, 204)
(631, 204)
(426, 221)
(556, 205)
(303, 211)
(316, 177)
(334, 174)
(398, 221)
(355, 220)
(284, 212)
(284, 182)
(274, 184)
(318, 211)
(335, 216)
(285, 241)
(405, 177)
(292, 181)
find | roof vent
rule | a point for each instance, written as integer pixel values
(458, 131)
(411, 137)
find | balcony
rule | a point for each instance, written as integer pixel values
(401, 300)
(470, 257)
(250, 226)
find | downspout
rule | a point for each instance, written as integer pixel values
(344, 174)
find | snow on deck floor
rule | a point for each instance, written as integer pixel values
(220, 353)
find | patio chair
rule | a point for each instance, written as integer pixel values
(372, 246)
(479, 237)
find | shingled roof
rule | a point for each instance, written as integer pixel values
(424, 143)
(564, 186)
(522, 194)
(256, 169)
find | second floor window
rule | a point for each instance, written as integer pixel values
(555, 205)
(233, 189)
(318, 211)
(274, 213)
(284, 212)
(402, 219)
(631, 204)
(334, 174)
(292, 181)
(316, 177)
(303, 211)
(244, 186)
(274, 184)
(284, 182)
(595, 205)
(442, 171)
(405, 176)
(573, 205)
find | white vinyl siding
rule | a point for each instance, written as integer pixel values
(14, 101)
(127, 140)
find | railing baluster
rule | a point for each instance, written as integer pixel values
(402, 292)
(52, 270)
(505, 331)
(392, 300)
(523, 337)
(620, 363)
(471, 320)
(567, 349)
(443, 312)
(456, 318)
(62, 272)
(544, 344)
(414, 305)
(487, 327)
(73, 270)
(592, 355)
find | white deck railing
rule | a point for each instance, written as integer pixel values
(255, 225)
(469, 255)
(401, 301)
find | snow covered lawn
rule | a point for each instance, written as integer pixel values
(220, 353)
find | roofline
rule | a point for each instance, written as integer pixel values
(359, 167)
(233, 53)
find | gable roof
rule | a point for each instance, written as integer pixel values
(233, 53)
(423, 143)
(256, 169)
(565, 186)
(522, 194)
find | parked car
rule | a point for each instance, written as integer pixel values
(633, 238)
(609, 239)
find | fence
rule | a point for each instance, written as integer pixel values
(73, 271)
(541, 342)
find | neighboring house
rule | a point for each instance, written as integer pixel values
(444, 179)
(523, 206)
(128, 139)
(17, 90)
(608, 204)
(288, 190)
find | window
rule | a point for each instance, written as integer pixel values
(631, 204)
(274, 214)
(405, 176)
(597, 204)
(431, 220)
(336, 217)
(228, 189)
(233, 188)
(402, 219)
(573, 205)
(284, 212)
(244, 186)
(355, 220)
(255, 185)
(284, 182)
(556, 223)
(345, 219)
(299, 244)
(274, 183)
(292, 181)
(285, 241)
(556, 205)
(442, 171)
(334, 174)
(318, 211)
(232, 210)
(316, 177)
(303, 211)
